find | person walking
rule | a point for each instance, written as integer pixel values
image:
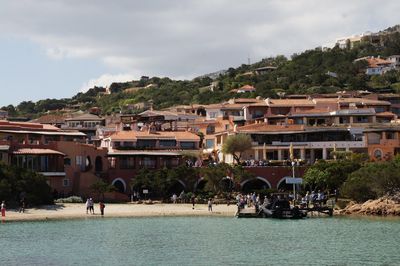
(209, 205)
(102, 206)
(3, 208)
(87, 206)
(91, 206)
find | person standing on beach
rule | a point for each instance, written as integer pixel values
(209, 205)
(91, 206)
(102, 206)
(3, 208)
(87, 206)
(22, 206)
(193, 201)
(174, 198)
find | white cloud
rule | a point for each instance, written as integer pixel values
(187, 38)
(105, 80)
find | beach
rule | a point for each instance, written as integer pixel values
(78, 211)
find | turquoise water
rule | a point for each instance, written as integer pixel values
(201, 241)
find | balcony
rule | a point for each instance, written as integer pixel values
(323, 144)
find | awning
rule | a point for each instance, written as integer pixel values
(27, 151)
(4, 147)
(145, 152)
(51, 133)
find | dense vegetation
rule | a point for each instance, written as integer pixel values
(17, 183)
(305, 73)
(355, 177)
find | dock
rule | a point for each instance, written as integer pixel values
(248, 213)
(262, 212)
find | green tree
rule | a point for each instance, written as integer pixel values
(373, 180)
(214, 175)
(331, 175)
(101, 187)
(236, 145)
(315, 178)
(16, 181)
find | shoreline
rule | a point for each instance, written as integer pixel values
(66, 211)
(72, 211)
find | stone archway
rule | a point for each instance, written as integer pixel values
(119, 184)
(253, 184)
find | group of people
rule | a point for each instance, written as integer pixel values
(90, 206)
(314, 198)
(248, 200)
(255, 163)
(175, 198)
(182, 198)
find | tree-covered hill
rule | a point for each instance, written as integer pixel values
(312, 71)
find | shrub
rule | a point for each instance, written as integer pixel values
(72, 199)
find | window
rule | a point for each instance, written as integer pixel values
(168, 143)
(78, 160)
(146, 143)
(378, 154)
(111, 162)
(213, 114)
(258, 114)
(210, 129)
(67, 161)
(379, 109)
(361, 119)
(344, 120)
(128, 143)
(126, 162)
(65, 182)
(188, 145)
(390, 135)
(209, 144)
(226, 127)
(117, 144)
(148, 162)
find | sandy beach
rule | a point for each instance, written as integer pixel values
(78, 211)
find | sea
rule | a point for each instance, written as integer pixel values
(202, 241)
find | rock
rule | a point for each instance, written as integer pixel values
(382, 206)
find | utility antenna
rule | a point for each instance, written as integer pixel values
(248, 59)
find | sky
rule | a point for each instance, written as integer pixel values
(57, 48)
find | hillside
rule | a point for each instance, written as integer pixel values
(312, 71)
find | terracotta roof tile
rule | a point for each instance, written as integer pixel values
(364, 101)
(386, 114)
(50, 119)
(290, 102)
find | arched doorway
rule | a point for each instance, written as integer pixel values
(88, 163)
(177, 188)
(258, 183)
(283, 186)
(226, 184)
(99, 164)
(119, 184)
(201, 184)
(201, 111)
